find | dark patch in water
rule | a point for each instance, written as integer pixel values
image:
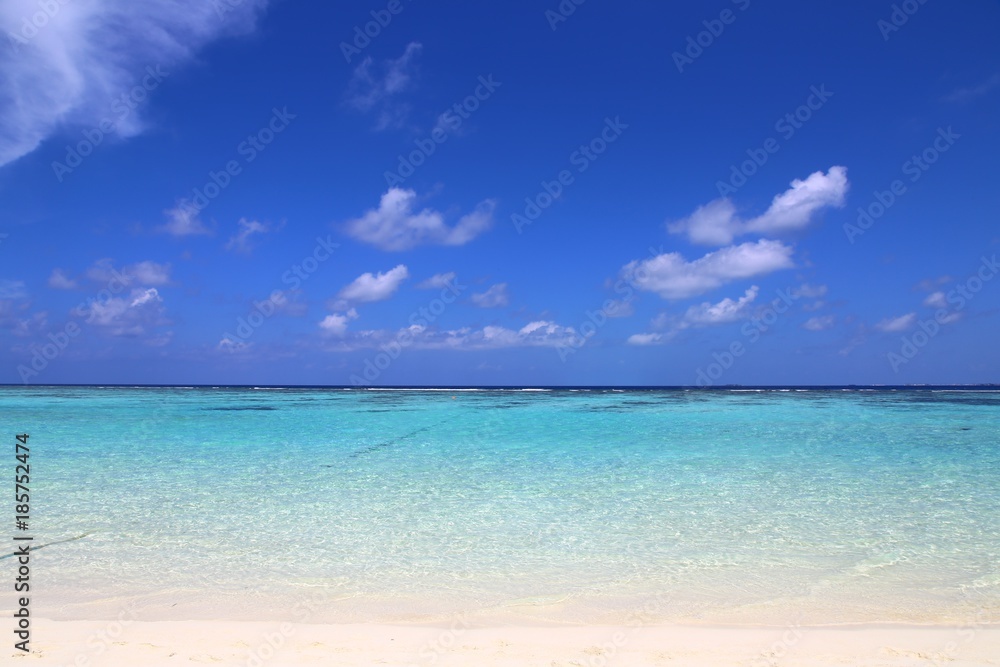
(387, 443)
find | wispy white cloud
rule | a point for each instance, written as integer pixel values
(808, 291)
(438, 281)
(717, 223)
(242, 241)
(375, 87)
(819, 323)
(619, 308)
(673, 277)
(229, 345)
(541, 333)
(129, 316)
(91, 52)
(141, 273)
(12, 289)
(183, 220)
(930, 284)
(936, 300)
(963, 95)
(495, 297)
(288, 302)
(59, 280)
(894, 324)
(149, 273)
(395, 225)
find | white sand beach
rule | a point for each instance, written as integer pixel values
(138, 643)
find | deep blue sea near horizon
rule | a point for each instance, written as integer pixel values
(726, 506)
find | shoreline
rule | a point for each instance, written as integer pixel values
(284, 643)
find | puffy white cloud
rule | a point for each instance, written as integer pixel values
(647, 339)
(336, 324)
(893, 324)
(374, 86)
(717, 223)
(395, 225)
(819, 323)
(673, 277)
(495, 297)
(183, 220)
(69, 73)
(723, 312)
(59, 280)
(371, 287)
(242, 242)
(438, 281)
(702, 315)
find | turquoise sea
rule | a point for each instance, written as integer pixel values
(701, 506)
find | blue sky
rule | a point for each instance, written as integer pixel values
(728, 192)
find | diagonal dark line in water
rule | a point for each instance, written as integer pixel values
(395, 440)
(34, 549)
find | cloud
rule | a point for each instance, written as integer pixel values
(723, 312)
(717, 223)
(59, 280)
(149, 273)
(494, 297)
(370, 287)
(183, 220)
(130, 316)
(143, 273)
(438, 281)
(67, 75)
(395, 226)
(36, 325)
(619, 308)
(808, 291)
(936, 300)
(336, 324)
(288, 302)
(672, 277)
(930, 284)
(541, 333)
(893, 324)
(963, 95)
(646, 339)
(241, 242)
(12, 289)
(373, 87)
(819, 323)
(702, 315)
(230, 346)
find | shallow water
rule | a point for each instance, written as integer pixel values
(583, 506)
